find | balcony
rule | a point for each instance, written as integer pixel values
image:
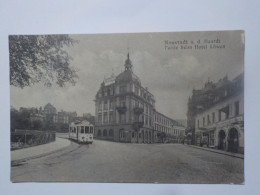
(234, 120)
(138, 110)
(121, 109)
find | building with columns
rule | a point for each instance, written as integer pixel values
(125, 110)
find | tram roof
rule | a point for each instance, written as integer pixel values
(81, 123)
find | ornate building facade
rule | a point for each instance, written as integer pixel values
(218, 114)
(125, 110)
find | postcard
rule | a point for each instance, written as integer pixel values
(162, 107)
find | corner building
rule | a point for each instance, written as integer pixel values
(125, 109)
(219, 115)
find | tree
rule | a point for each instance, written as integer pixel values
(40, 58)
(20, 119)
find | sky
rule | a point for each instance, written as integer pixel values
(169, 74)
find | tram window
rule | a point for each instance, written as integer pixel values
(87, 129)
(82, 129)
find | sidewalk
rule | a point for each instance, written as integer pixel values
(39, 151)
(237, 155)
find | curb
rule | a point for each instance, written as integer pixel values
(218, 152)
(22, 160)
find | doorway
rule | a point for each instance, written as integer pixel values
(233, 140)
(221, 138)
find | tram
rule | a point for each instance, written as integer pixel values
(82, 132)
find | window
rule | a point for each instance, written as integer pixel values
(105, 117)
(99, 118)
(219, 115)
(100, 106)
(87, 129)
(122, 118)
(105, 105)
(133, 134)
(227, 112)
(198, 123)
(111, 104)
(208, 120)
(91, 129)
(122, 101)
(146, 120)
(82, 129)
(136, 103)
(99, 132)
(148, 98)
(203, 121)
(136, 90)
(111, 117)
(237, 108)
(213, 117)
(122, 89)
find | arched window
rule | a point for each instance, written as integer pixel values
(99, 132)
(111, 132)
(105, 133)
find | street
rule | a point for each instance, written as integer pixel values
(105, 161)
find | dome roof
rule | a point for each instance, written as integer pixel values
(127, 76)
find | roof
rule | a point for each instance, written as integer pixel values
(81, 123)
(127, 76)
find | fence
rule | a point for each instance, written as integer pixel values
(28, 138)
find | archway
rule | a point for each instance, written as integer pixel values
(99, 132)
(105, 133)
(233, 140)
(221, 140)
(111, 133)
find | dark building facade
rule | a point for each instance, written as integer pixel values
(216, 115)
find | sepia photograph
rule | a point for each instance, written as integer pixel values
(165, 107)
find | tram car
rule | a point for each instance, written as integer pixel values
(82, 132)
